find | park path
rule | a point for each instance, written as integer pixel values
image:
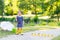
(35, 35)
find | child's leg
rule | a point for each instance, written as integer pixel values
(20, 30)
(17, 31)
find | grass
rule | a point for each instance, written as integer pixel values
(5, 33)
(56, 38)
(25, 29)
(29, 27)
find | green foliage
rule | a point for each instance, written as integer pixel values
(35, 19)
(1, 7)
(27, 20)
(49, 7)
(33, 5)
(8, 19)
(58, 23)
(31, 24)
(53, 23)
(9, 10)
(14, 30)
(43, 23)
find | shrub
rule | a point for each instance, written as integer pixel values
(58, 23)
(31, 24)
(7, 19)
(14, 30)
(35, 19)
(27, 20)
(43, 23)
(52, 24)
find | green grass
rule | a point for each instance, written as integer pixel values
(28, 27)
(56, 38)
(5, 33)
(25, 29)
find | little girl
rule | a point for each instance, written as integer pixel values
(19, 22)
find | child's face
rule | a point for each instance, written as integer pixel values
(19, 13)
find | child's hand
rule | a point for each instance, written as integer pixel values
(16, 19)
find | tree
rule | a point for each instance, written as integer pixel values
(8, 7)
(1, 7)
(57, 12)
(57, 9)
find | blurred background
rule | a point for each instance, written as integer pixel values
(41, 12)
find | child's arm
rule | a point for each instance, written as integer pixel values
(16, 18)
(22, 19)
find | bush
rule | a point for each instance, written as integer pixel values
(43, 23)
(27, 20)
(14, 30)
(8, 19)
(35, 19)
(52, 23)
(58, 23)
(31, 24)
